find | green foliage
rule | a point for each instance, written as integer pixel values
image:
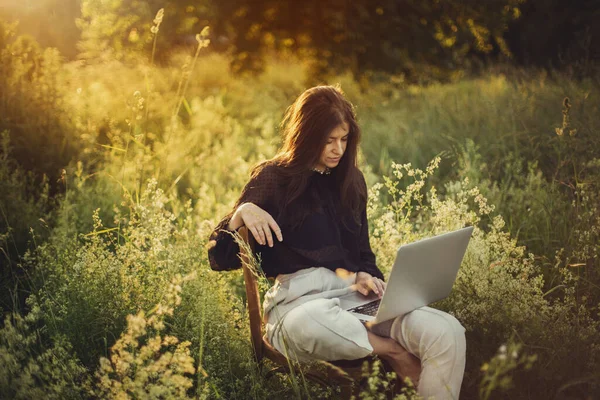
(444, 35)
(497, 373)
(556, 34)
(31, 105)
(127, 30)
(87, 287)
(380, 384)
(114, 29)
(50, 22)
(551, 218)
(502, 140)
(367, 38)
(215, 322)
(23, 206)
(500, 289)
(34, 366)
(141, 363)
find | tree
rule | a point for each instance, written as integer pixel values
(395, 36)
(122, 29)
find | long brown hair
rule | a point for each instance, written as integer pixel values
(306, 126)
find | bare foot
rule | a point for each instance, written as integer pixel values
(405, 365)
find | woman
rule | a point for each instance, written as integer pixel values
(306, 208)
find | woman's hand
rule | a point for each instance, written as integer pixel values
(259, 222)
(365, 283)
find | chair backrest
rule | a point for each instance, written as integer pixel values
(252, 294)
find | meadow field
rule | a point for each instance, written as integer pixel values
(113, 174)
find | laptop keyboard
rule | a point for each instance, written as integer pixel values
(367, 309)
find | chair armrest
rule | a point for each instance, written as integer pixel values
(247, 237)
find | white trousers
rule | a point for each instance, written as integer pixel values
(305, 321)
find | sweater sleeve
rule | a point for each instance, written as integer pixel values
(367, 257)
(222, 248)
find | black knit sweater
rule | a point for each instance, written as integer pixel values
(321, 240)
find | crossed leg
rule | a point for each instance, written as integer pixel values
(438, 340)
(427, 345)
(404, 363)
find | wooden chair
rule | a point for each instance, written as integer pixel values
(345, 373)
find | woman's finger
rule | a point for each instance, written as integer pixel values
(378, 287)
(379, 284)
(267, 232)
(275, 227)
(261, 234)
(362, 288)
(264, 222)
(254, 233)
(371, 283)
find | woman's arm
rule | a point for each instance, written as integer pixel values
(222, 248)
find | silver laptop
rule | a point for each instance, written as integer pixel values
(424, 272)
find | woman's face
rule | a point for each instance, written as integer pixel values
(334, 147)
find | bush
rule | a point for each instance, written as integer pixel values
(32, 105)
(24, 207)
(144, 362)
(499, 291)
(88, 285)
(35, 366)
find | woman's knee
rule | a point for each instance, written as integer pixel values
(297, 330)
(449, 334)
(305, 328)
(453, 325)
(431, 330)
